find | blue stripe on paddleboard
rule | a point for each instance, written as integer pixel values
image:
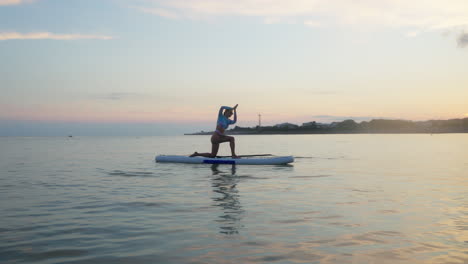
(219, 161)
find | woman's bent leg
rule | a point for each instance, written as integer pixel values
(215, 140)
(214, 149)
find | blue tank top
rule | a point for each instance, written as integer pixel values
(223, 121)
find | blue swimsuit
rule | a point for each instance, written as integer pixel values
(223, 121)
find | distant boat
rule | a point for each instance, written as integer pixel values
(70, 136)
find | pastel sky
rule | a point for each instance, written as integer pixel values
(174, 62)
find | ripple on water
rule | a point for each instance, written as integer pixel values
(147, 204)
(130, 173)
(28, 254)
(311, 176)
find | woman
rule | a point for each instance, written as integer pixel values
(218, 136)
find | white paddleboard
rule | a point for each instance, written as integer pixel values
(273, 160)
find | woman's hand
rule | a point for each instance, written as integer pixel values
(235, 107)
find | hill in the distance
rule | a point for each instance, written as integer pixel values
(352, 127)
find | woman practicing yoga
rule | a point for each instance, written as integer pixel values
(218, 136)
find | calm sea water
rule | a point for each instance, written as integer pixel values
(346, 199)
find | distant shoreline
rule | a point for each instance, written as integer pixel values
(375, 126)
(229, 132)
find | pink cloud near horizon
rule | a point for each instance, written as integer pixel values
(14, 2)
(48, 35)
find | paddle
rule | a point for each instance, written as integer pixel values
(244, 156)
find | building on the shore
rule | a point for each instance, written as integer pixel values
(286, 125)
(314, 124)
(310, 124)
(322, 125)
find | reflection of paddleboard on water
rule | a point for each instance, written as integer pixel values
(243, 160)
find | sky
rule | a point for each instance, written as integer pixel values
(148, 67)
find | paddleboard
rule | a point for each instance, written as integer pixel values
(273, 160)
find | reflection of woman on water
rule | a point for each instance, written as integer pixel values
(218, 136)
(224, 185)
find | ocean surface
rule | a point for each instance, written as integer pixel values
(346, 199)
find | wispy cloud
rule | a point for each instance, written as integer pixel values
(312, 23)
(117, 96)
(427, 14)
(48, 35)
(412, 34)
(159, 11)
(331, 118)
(412, 16)
(15, 2)
(463, 40)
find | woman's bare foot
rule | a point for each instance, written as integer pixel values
(194, 154)
(235, 157)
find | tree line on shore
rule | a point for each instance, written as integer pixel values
(350, 126)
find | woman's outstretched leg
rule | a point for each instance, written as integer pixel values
(214, 151)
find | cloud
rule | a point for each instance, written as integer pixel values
(412, 34)
(312, 23)
(427, 14)
(48, 35)
(331, 118)
(415, 16)
(320, 92)
(463, 40)
(159, 11)
(117, 96)
(14, 2)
